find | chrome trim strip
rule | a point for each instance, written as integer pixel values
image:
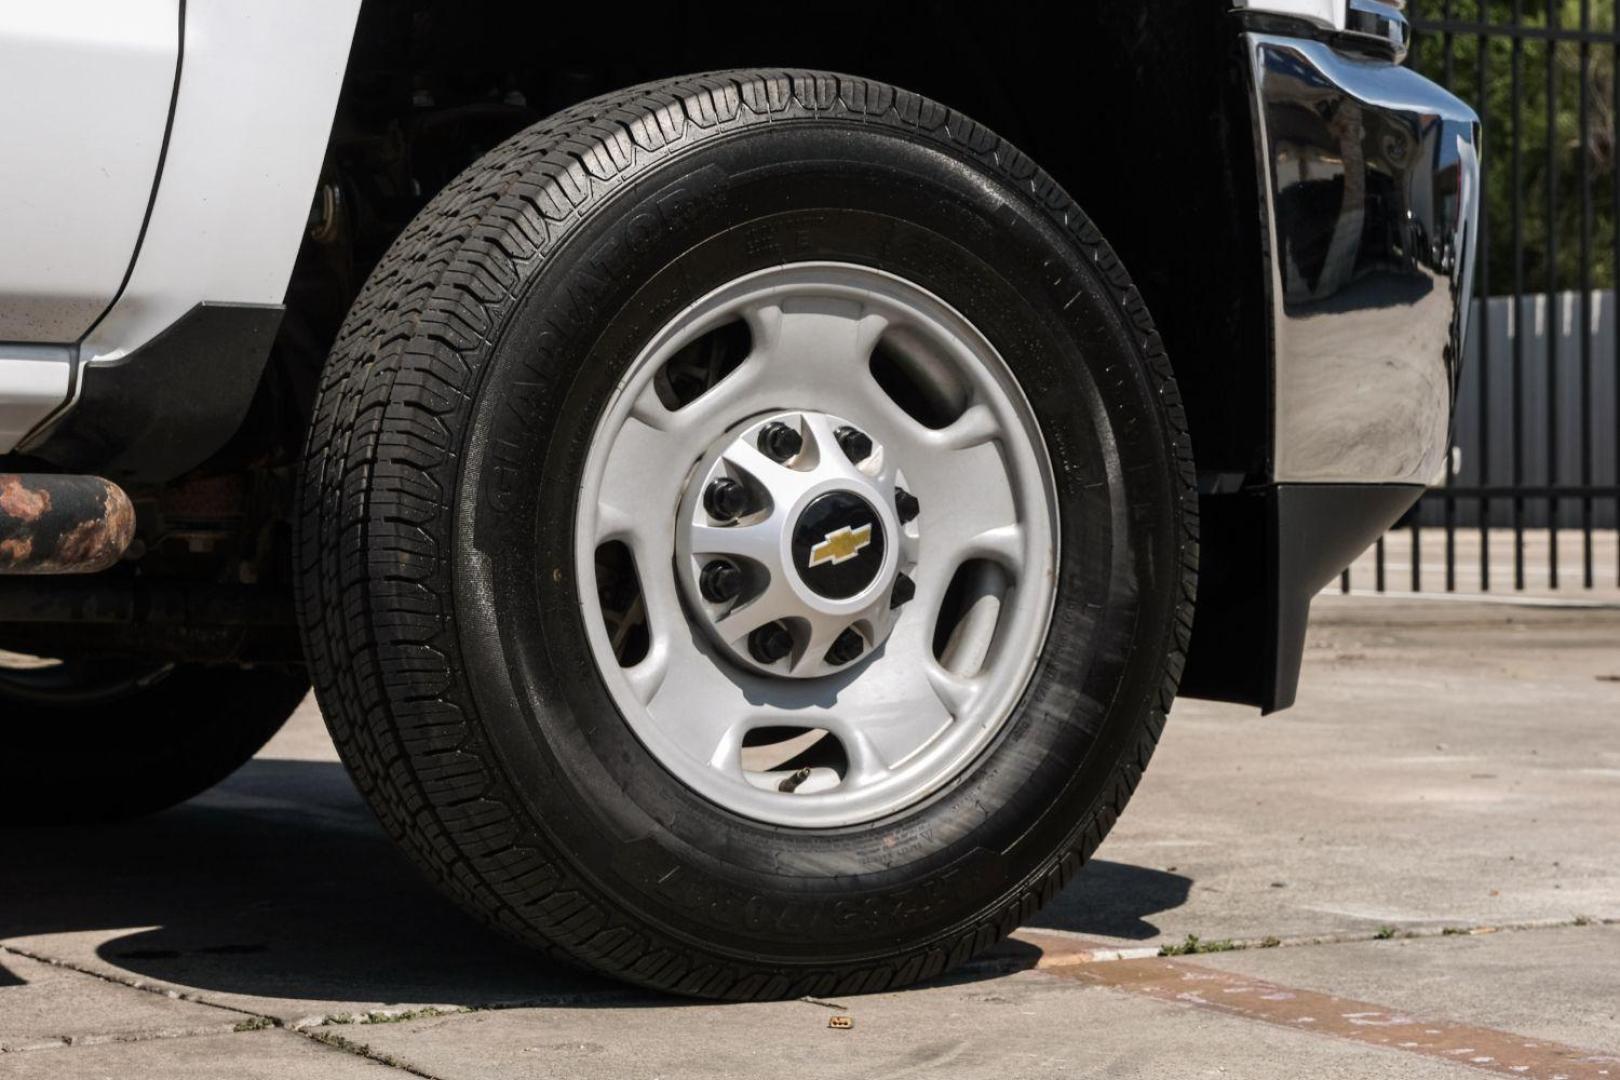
(1327, 14)
(1381, 22)
(1371, 204)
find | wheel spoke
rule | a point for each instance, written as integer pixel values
(658, 591)
(656, 440)
(641, 480)
(735, 395)
(979, 518)
(669, 636)
(867, 762)
(1002, 544)
(760, 542)
(944, 555)
(869, 329)
(700, 711)
(900, 709)
(649, 409)
(647, 677)
(950, 454)
(972, 477)
(955, 693)
(977, 425)
(814, 343)
(895, 428)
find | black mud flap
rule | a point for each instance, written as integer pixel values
(1265, 553)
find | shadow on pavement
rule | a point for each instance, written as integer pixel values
(279, 884)
(1114, 900)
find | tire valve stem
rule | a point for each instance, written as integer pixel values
(791, 783)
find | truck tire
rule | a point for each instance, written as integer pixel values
(747, 538)
(99, 739)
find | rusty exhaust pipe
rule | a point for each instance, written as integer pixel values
(62, 524)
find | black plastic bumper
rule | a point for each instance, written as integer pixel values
(1370, 192)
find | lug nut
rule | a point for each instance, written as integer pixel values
(720, 581)
(904, 589)
(769, 643)
(856, 445)
(847, 647)
(726, 499)
(906, 505)
(779, 442)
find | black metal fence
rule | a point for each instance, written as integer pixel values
(1538, 460)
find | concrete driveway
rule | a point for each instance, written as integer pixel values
(1415, 873)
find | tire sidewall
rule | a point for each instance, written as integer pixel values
(823, 191)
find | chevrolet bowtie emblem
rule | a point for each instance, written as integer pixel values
(841, 545)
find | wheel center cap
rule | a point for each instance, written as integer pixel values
(838, 545)
(795, 545)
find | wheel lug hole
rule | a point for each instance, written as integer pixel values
(780, 442)
(902, 592)
(720, 581)
(770, 643)
(726, 499)
(847, 647)
(906, 505)
(856, 444)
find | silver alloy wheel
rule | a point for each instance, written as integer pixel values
(907, 710)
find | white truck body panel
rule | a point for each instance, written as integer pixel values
(258, 90)
(85, 89)
(258, 87)
(35, 382)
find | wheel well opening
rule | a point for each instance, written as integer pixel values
(1150, 134)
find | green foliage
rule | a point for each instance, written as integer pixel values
(1194, 946)
(1563, 152)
